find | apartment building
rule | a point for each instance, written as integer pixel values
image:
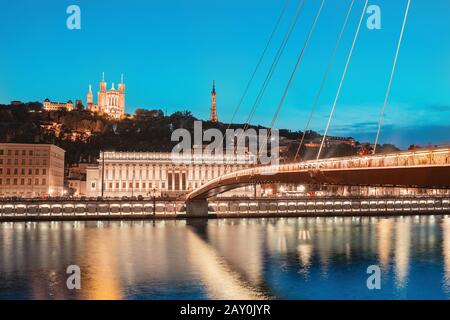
(31, 170)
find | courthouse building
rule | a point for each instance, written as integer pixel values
(148, 173)
(31, 170)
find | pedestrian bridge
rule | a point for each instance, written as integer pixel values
(424, 168)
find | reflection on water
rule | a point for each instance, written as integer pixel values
(287, 258)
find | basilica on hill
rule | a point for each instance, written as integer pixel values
(109, 102)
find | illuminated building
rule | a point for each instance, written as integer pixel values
(77, 179)
(78, 186)
(54, 106)
(31, 170)
(145, 173)
(109, 102)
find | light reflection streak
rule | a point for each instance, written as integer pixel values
(241, 245)
(446, 252)
(384, 235)
(102, 278)
(402, 250)
(220, 281)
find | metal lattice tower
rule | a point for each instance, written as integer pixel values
(213, 117)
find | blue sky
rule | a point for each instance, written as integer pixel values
(171, 50)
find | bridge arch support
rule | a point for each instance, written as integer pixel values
(197, 208)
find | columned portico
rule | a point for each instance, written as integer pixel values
(141, 173)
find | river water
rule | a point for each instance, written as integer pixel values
(279, 258)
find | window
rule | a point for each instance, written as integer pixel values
(24, 152)
(124, 185)
(8, 171)
(30, 171)
(15, 181)
(110, 185)
(36, 182)
(16, 152)
(22, 171)
(36, 171)
(9, 152)
(8, 181)
(137, 185)
(30, 153)
(44, 162)
(117, 185)
(93, 185)
(29, 182)
(1, 170)
(23, 161)
(44, 182)
(16, 161)
(1, 152)
(15, 171)
(22, 181)
(44, 171)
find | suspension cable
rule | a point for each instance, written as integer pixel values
(273, 66)
(274, 31)
(291, 78)
(286, 90)
(325, 78)
(392, 76)
(275, 61)
(342, 78)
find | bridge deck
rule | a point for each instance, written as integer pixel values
(424, 168)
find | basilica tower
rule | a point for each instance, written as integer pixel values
(89, 97)
(121, 89)
(213, 117)
(90, 105)
(101, 96)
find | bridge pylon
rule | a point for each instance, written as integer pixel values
(197, 208)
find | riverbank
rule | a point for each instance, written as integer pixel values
(215, 216)
(53, 210)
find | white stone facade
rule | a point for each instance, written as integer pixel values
(147, 173)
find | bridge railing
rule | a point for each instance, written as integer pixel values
(440, 156)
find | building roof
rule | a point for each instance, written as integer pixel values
(5, 144)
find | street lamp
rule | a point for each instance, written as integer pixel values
(154, 201)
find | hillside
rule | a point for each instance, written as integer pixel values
(83, 134)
